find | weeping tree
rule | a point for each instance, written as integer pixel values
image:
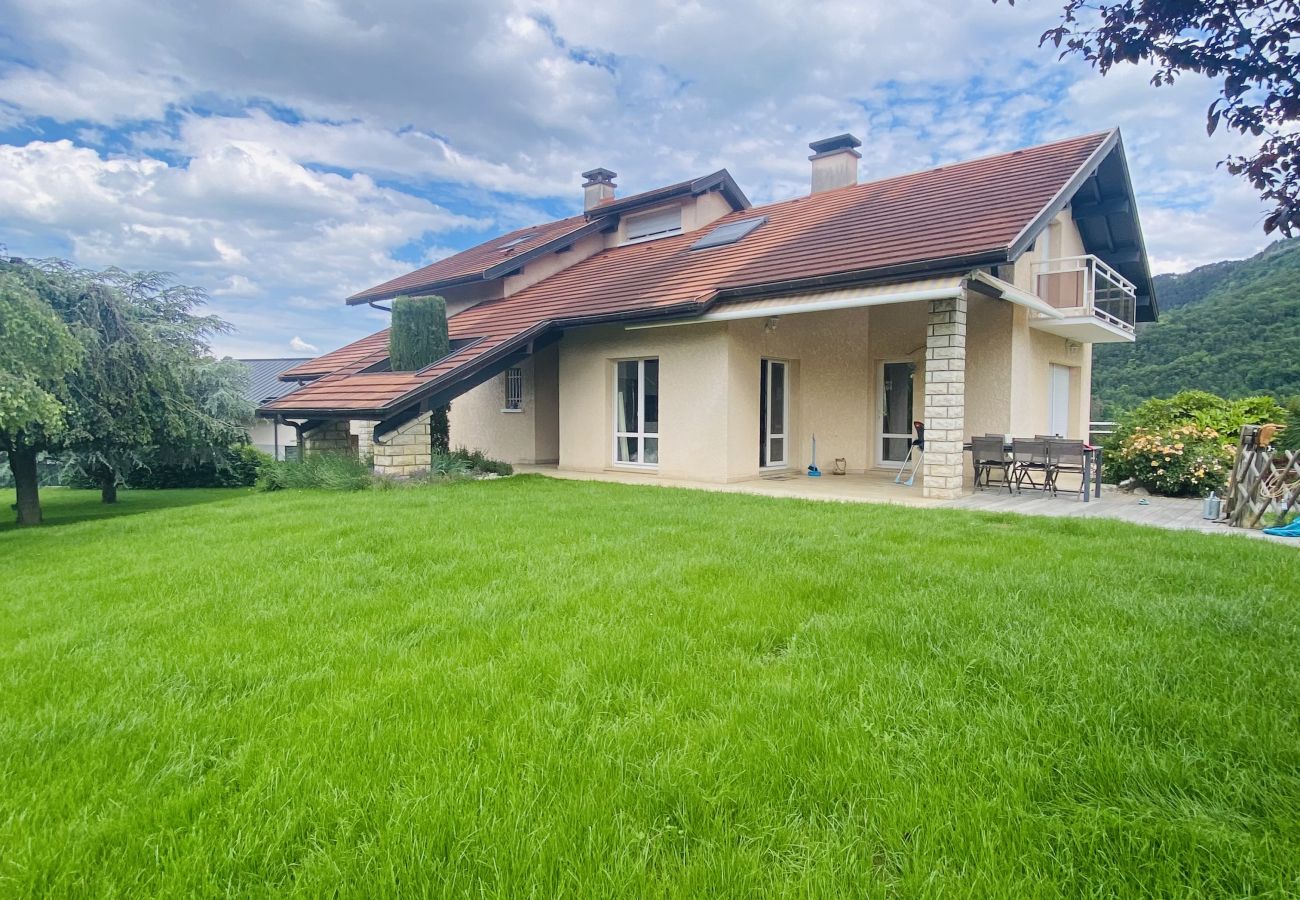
(37, 351)
(419, 337)
(143, 385)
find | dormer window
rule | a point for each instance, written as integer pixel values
(656, 224)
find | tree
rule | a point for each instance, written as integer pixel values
(1253, 46)
(36, 353)
(418, 338)
(143, 385)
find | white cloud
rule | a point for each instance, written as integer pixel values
(494, 107)
(298, 345)
(241, 219)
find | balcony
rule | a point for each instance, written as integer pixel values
(1097, 304)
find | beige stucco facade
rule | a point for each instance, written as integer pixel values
(979, 368)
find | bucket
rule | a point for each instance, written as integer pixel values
(1212, 506)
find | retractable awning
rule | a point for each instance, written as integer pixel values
(940, 288)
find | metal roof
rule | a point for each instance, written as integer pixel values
(264, 378)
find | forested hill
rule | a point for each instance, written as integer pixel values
(1232, 328)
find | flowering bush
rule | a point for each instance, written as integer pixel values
(1176, 460)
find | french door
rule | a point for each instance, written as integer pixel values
(894, 393)
(774, 414)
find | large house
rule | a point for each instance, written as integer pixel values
(684, 332)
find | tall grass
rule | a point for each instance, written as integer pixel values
(527, 688)
(327, 471)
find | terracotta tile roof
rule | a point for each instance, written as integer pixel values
(943, 219)
(472, 263)
(345, 356)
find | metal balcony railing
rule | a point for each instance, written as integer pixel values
(1086, 286)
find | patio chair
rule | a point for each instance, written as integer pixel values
(1029, 457)
(989, 456)
(1065, 457)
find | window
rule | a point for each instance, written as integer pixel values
(728, 234)
(636, 412)
(651, 225)
(514, 389)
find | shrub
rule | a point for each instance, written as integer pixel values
(1290, 439)
(1156, 421)
(478, 462)
(1178, 460)
(326, 471)
(236, 467)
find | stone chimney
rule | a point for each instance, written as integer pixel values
(834, 162)
(598, 188)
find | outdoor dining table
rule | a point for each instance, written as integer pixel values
(1091, 468)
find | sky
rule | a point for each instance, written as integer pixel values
(283, 155)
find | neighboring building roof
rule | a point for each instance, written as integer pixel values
(264, 378)
(948, 219)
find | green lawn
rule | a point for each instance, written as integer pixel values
(534, 688)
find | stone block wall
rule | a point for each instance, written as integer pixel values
(332, 437)
(405, 451)
(945, 398)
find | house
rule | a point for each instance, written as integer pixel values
(685, 333)
(265, 385)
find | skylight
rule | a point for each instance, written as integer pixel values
(515, 243)
(729, 233)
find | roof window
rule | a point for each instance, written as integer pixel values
(728, 233)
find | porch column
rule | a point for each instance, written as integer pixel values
(407, 451)
(945, 397)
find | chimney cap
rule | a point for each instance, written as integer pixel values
(599, 176)
(844, 141)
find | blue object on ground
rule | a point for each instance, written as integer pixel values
(1292, 530)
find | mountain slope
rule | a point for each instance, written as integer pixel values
(1232, 328)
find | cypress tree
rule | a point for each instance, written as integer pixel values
(419, 337)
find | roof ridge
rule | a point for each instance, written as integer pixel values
(946, 166)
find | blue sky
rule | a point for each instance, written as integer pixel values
(285, 155)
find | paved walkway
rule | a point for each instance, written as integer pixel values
(879, 487)
(1182, 513)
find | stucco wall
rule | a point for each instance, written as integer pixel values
(831, 381)
(262, 436)
(693, 408)
(479, 420)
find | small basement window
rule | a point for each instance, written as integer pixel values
(514, 389)
(729, 233)
(651, 225)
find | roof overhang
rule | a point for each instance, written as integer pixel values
(720, 181)
(507, 265)
(937, 288)
(1104, 207)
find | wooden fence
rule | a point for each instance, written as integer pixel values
(1262, 479)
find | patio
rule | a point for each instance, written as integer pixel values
(1178, 513)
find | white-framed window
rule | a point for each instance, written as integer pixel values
(514, 389)
(636, 412)
(655, 224)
